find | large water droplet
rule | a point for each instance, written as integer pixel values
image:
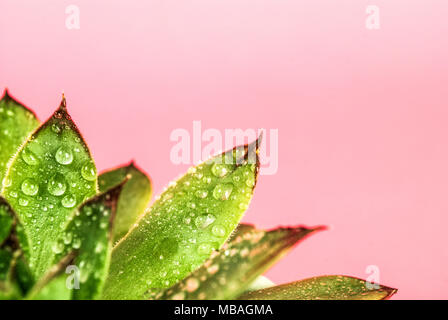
(64, 155)
(222, 191)
(29, 157)
(69, 201)
(88, 171)
(57, 185)
(30, 187)
(220, 169)
(204, 221)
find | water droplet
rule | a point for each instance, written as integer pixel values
(99, 247)
(250, 182)
(201, 194)
(57, 185)
(204, 248)
(64, 155)
(29, 157)
(69, 201)
(76, 244)
(30, 187)
(68, 237)
(204, 221)
(23, 202)
(88, 171)
(220, 169)
(222, 191)
(219, 231)
(57, 247)
(56, 128)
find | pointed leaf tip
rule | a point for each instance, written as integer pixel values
(334, 287)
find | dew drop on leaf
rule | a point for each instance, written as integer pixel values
(88, 171)
(57, 185)
(30, 187)
(218, 231)
(69, 201)
(222, 191)
(204, 221)
(64, 155)
(29, 157)
(220, 169)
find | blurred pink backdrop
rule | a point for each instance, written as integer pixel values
(362, 114)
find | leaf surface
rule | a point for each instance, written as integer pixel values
(17, 122)
(134, 197)
(323, 288)
(50, 176)
(89, 234)
(231, 271)
(194, 216)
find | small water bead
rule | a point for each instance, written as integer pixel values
(250, 182)
(220, 169)
(204, 248)
(67, 237)
(222, 191)
(7, 182)
(99, 247)
(88, 171)
(30, 187)
(29, 157)
(69, 201)
(219, 231)
(204, 221)
(23, 202)
(57, 185)
(64, 155)
(76, 244)
(56, 128)
(57, 247)
(13, 194)
(201, 194)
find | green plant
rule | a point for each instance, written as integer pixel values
(61, 224)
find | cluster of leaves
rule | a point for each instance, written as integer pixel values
(66, 233)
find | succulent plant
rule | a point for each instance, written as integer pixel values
(67, 233)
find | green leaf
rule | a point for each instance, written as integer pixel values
(194, 216)
(6, 220)
(7, 288)
(229, 273)
(16, 124)
(52, 173)
(52, 285)
(134, 197)
(54, 290)
(89, 233)
(323, 288)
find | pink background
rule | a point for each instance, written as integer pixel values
(362, 115)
